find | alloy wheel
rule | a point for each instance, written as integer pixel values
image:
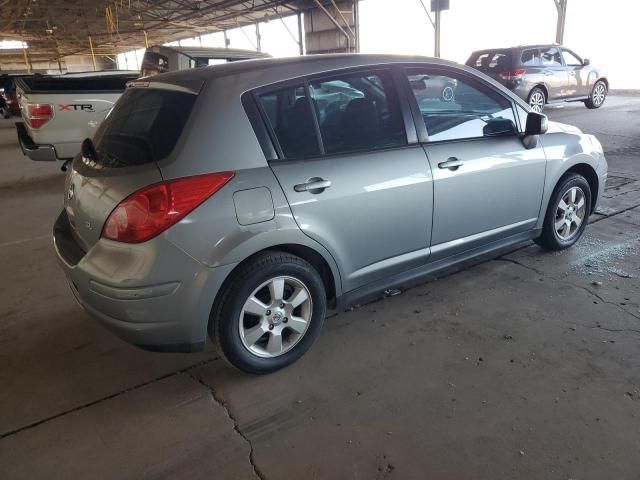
(599, 94)
(275, 317)
(447, 94)
(536, 102)
(570, 213)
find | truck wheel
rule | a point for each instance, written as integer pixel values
(537, 99)
(270, 313)
(598, 95)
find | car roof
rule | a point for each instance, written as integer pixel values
(519, 47)
(291, 67)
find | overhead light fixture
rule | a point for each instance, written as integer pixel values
(12, 44)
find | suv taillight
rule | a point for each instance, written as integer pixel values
(38, 114)
(151, 210)
(513, 75)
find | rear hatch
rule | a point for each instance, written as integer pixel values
(143, 128)
(492, 62)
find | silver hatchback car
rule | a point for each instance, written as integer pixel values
(240, 202)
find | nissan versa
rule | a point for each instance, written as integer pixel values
(242, 201)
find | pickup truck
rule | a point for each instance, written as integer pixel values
(59, 112)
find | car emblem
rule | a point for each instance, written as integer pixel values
(71, 192)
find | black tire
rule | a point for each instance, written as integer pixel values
(595, 100)
(550, 238)
(224, 324)
(533, 97)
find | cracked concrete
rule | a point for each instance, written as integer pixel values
(221, 403)
(521, 366)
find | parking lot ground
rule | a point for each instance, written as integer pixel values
(520, 366)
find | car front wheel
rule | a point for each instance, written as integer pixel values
(269, 313)
(567, 214)
(598, 95)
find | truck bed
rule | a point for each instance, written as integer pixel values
(77, 104)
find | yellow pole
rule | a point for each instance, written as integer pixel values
(93, 55)
(26, 59)
(146, 39)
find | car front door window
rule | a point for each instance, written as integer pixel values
(454, 108)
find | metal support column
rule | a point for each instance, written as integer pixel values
(258, 40)
(93, 55)
(300, 34)
(561, 6)
(436, 43)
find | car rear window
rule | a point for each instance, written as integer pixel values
(491, 60)
(143, 127)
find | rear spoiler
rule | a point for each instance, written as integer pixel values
(187, 86)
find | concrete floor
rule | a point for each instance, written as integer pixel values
(523, 366)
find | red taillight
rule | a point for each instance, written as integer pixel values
(151, 210)
(38, 114)
(513, 75)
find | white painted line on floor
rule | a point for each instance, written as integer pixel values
(25, 240)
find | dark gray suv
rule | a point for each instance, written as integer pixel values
(542, 74)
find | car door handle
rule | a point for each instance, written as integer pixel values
(317, 184)
(548, 74)
(452, 163)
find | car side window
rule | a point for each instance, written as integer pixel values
(358, 111)
(289, 113)
(551, 57)
(456, 108)
(570, 59)
(530, 58)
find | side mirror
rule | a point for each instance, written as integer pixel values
(536, 124)
(586, 62)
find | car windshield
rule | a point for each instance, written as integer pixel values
(143, 127)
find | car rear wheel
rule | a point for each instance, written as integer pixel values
(598, 95)
(567, 214)
(269, 313)
(537, 99)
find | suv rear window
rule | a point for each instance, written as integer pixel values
(530, 58)
(143, 127)
(491, 60)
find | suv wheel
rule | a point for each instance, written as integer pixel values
(270, 313)
(537, 99)
(448, 93)
(598, 95)
(567, 214)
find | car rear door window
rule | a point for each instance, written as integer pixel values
(551, 57)
(289, 113)
(143, 127)
(530, 58)
(358, 111)
(456, 107)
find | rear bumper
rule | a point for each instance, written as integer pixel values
(39, 153)
(152, 295)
